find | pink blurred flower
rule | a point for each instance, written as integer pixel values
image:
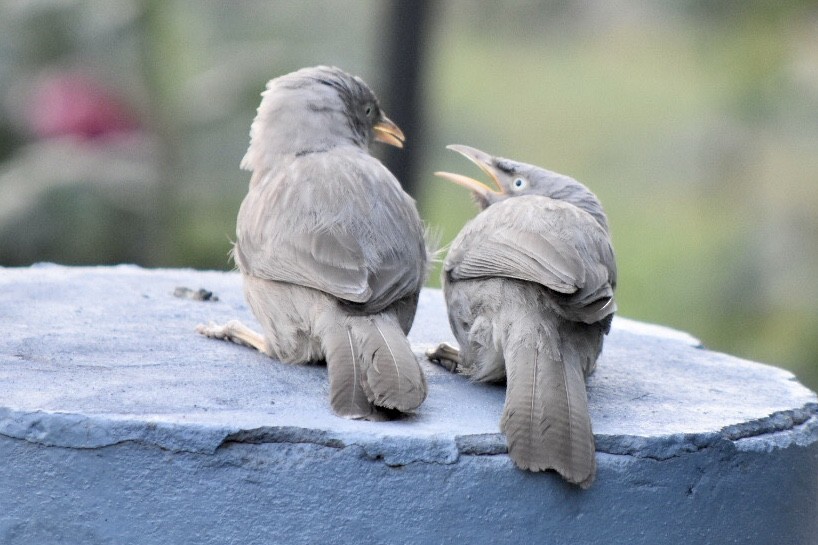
(71, 104)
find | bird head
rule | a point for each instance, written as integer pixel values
(351, 97)
(513, 179)
(316, 109)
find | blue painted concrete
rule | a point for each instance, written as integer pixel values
(118, 424)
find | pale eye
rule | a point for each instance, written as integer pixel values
(518, 184)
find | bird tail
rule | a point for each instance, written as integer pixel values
(545, 418)
(371, 364)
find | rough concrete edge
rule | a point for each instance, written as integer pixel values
(781, 439)
(779, 430)
(78, 431)
(791, 421)
(393, 450)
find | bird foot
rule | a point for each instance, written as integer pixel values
(234, 331)
(445, 355)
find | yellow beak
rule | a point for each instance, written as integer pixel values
(387, 132)
(482, 160)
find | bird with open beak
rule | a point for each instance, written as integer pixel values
(529, 285)
(331, 249)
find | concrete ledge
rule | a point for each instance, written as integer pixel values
(118, 424)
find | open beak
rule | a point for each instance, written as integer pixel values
(482, 160)
(387, 132)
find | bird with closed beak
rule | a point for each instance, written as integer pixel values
(332, 251)
(529, 285)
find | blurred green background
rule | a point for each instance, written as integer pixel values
(122, 124)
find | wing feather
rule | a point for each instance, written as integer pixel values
(545, 241)
(359, 238)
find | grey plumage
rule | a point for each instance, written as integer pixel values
(529, 285)
(331, 248)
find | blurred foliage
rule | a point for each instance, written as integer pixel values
(695, 122)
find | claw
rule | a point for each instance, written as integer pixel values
(235, 331)
(445, 355)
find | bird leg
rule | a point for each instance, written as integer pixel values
(236, 332)
(445, 355)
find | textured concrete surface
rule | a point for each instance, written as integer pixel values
(118, 424)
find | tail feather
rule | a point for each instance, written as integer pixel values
(392, 376)
(371, 364)
(347, 396)
(545, 418)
